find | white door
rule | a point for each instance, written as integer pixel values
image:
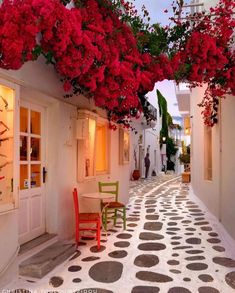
(32, 160)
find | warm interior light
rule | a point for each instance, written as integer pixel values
(163, 138)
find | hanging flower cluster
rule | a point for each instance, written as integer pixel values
(103, 49)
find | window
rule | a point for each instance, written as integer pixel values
(8, 143)
(90, 148)
(208, 153)
(101, 148)
(93, 146)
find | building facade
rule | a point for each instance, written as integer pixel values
(49, 145)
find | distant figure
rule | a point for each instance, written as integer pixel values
(147, 165)
(170, 165)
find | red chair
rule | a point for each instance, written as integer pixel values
(86, 218)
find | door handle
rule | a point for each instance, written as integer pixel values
(44, 172)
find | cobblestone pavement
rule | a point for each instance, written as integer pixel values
(169, 246)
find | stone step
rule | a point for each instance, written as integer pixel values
(40, 264)
(28, 246)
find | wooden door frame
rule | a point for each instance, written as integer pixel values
(31, 105)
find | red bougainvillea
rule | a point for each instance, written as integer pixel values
(110, 55)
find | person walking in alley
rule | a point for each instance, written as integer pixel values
(147, 165)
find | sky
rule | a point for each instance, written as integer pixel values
(156, 11)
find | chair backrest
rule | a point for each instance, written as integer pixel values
(109, 187)
(76, 205)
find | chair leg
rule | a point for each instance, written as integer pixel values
(77, 235)
(124, 218)
(105, 219)
(115, 217)
(98, 235)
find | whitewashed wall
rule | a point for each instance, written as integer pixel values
(218, 194)
(227, 200)
(40, 84)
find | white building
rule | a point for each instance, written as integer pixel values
(45, 154)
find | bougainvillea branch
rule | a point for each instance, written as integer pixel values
(103, 49)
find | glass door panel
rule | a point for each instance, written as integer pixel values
(35, 149)
(24, 177)
(35, 175)
(23, 148)
(23, 119)
(35, 123)
(30, 148)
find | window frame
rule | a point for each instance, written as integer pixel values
(103, 122)
(81, 145)
(208, 153)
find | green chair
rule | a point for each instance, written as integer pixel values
(112, 210)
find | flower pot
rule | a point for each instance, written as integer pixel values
(136, 174)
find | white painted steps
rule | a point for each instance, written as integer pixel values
(43, 262)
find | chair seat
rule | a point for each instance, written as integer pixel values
(113, 204)
(89, 216)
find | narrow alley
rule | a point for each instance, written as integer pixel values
(172, 244)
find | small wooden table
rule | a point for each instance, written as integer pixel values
(100, 196)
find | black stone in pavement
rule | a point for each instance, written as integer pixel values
(174, 271)
(145, 289)
(205, 278)
(150, 201)
(196, 266)
(178, 290)
(153, 226)
(151, 246)
(56, 282)
(153, 277)
(146, 260)
(95, 249)
(176, 218)
(118, 254)
(132, 225)
(194, 251)
(207, 289)
(224, 261)
(173, 229)
(201, 223)
(152, 217)
(77, 280)
(173, 262)
(213, 234)
(106, 271)
(124, 236)
(74, 268)
(218, 248)
(149, 211)
(206, 228)
(150, 236)
(196, 257)
(181, 247)
(193, 240)
(230, 279)
(132, 219)
(90, 258)
(122, 244)
(214, 240)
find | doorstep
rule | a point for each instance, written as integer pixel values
(43, 262)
